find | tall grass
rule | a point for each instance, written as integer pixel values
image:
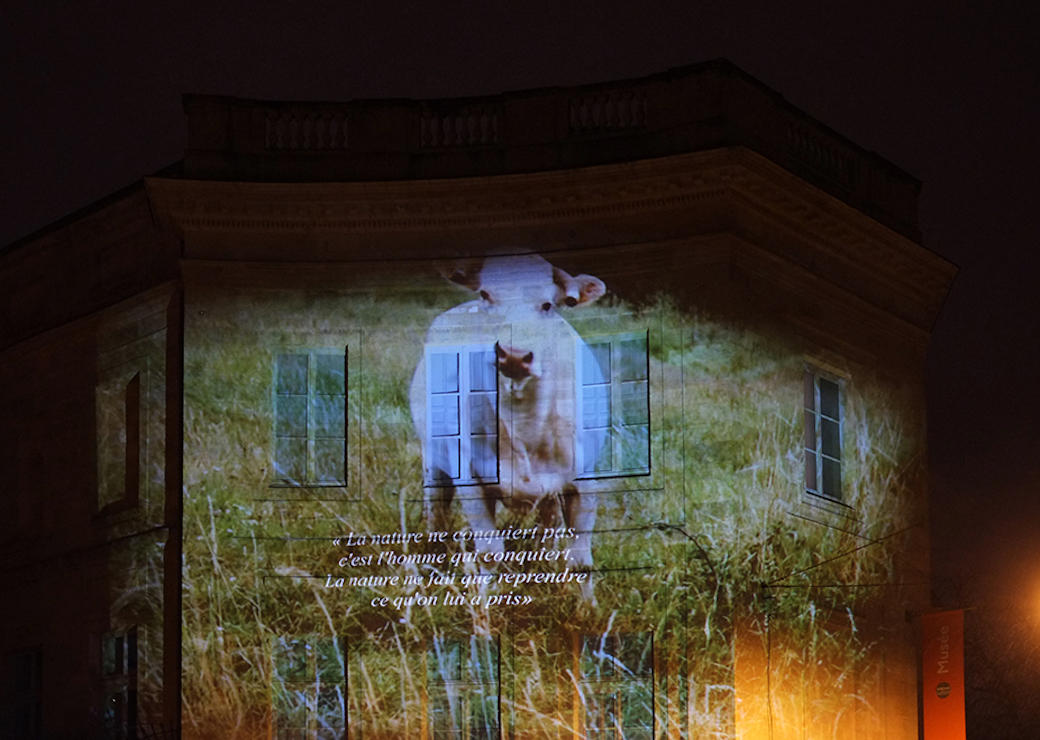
(718, 532)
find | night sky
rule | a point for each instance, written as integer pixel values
(92, 102)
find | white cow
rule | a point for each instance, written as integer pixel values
(510, 339)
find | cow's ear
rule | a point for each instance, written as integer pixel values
(589, 288)
(567, 291)
(463, 272)
(575, 291)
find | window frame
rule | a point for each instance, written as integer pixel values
(307, 685)
(118, 682)
(465, 687)
(311, 477)
(129, 434)
(465, 390)
(617, 683)
(815, 422)
(615, 384)
(120, 422)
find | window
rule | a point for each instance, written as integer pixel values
(310, 419)
(462, 415)
(130, 410)
(614, 408)
(119, 684)
(462, 686)
(308, 690)
(822, 435)
(617, 686)
(462, 411)
(23, 707)
(117, 404)
(386, 693)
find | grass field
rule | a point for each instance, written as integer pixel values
(719, 535)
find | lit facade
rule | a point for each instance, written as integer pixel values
(593, 412)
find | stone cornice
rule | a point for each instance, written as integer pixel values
(730, 189)
(424, 205)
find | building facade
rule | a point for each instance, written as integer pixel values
(592, 412)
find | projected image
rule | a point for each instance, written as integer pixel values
(504, 497)
(525, 447)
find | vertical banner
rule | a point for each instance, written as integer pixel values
(942, 673)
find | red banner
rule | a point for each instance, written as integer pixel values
(942, 674)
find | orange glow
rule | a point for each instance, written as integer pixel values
(790, 685)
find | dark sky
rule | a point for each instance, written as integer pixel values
(946, 90)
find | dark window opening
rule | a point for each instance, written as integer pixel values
(119, 685)
(823, 435)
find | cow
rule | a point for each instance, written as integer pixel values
(510, 341)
